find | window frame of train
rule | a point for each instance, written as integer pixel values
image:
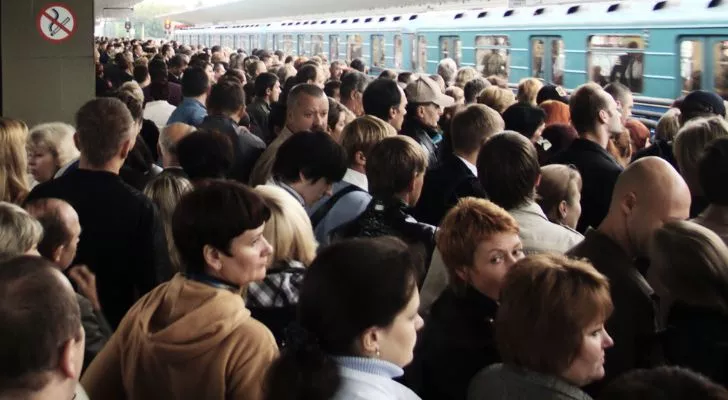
(419, 53)
(711, 58)
(548, 65)
(273, 42)
(447, 42)
(228, 41)
(496, 44)
(398, 44)
(354, 48)
(379, 51)
(614, 50)
(333, 48)
(317, 45)
(300, 45)
(243, 42)
(287, 46)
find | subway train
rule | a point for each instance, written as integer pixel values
(659, 49)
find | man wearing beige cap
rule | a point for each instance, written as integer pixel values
(425, 104)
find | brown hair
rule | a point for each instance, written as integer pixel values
(549, 298)
(465, 226)
(363, 133)
(474, 125)
(497, 98)
(638, 133)
(102, 125)
(392, 165)
(558, 183)
(556, 112)
(585, 104)
(13, 171)
(690, 143)
(528, 90)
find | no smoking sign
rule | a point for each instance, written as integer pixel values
(56, 22)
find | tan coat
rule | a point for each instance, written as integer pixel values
(184, 340)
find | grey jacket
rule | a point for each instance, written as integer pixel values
(507, 382)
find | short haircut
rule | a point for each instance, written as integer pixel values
(405, 77)
(263, 82)
(464, 228)
(353, 81)
(557, 112)
(473, 88)
(508, 169)
(214, 214)
(195, 82)
(57, 138)
(141, 73)
(177, 61)
(558, 183)
(585, 104)
(618, 91)
(314, 155)
(528, 90)
(289, 228)
(465, 75)
(19, 232)
(387, 74)
(158, 71)
(47, 211)
(102, 125)
(39, 313)
(691, 263)
(226, 97)
(393, 164)
(331, 87)
(133, 104)
(134, 89)
(713, 171)
(358, 65)
(307, 73)
(362, 134)
(668, 125)
(663, 383)
(302, 89)
(524, 118)
(496, 98)
(447, 68)
(549, 298)
(473, 126)
(205, 154)
(380, 97)
(690, 142)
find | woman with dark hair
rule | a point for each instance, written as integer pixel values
(193, 337)
(357, 325)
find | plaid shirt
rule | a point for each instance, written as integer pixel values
(280, 287)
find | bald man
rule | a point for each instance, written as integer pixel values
(167, 145)
(649, 193)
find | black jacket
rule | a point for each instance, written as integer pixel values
(444, 186)
(247, 147)
(697, 338)
(258, 111)
(425, 136)
(599, 173)
(390, 217)
(456, 343)
(659, 148)
(122, 239)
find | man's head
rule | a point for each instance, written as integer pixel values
(359, 137)
(472, 127)
(205, 155)
(473, 88)
(227, 98)
(426, 102)
(195, 82)
(594, 114)
(268, 87)
(168, 139)
(311, 73)
(178, 64)
(310, 162)
(353, 85)
(447, 68)
(384, 99)
(105, 132)
(358, 64)
(647, 194)
(395, 169)
(307, 108)
(61, 230)
(336, 69)
(40, 328)
(623, 96)
(701, 103)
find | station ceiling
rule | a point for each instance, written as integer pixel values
(114, 9)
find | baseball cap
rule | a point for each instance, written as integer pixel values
(702, 101)
(425, 90)
(551, 92)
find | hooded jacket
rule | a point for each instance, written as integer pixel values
(184, 340)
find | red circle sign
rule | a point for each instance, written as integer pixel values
(56, 22)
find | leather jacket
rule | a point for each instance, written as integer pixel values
(428, 137)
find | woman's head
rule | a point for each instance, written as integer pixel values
(19, 232)
(668, 125)
(218, 230)
(289, 229)
(497, 98)
(50, 147)
(556, 111)
(339, 117)
(550, 298)
(690, 142)
(360, 298)
(691, 264)
(479, 242)
(559, 194)
(13, 171)
(528, 90)
(639, 134)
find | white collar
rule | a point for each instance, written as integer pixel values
(356, 178)
(470, 166)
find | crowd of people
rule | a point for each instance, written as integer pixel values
(218, 224)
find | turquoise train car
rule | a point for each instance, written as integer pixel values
(660, 49)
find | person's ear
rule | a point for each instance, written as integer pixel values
(603, 116)
(58, 253)
(359, 158)
(369, 342)
(563, 209)
(72, 356)
(213, 257)
(629, 202)
(126, 148)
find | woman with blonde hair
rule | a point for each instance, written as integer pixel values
(14, 168)
(465, 75)
(690, 266)
(497, 98)
(528, 90)
(165, 191)
(273, 300)
(50, 149)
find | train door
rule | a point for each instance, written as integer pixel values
(704, 64)
(301, 48)
(451, 47)
(408, 46)
(548, 58)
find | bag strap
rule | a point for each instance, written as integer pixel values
(322, 211)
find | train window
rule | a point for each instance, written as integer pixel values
(493, 55)
(614, 58)
(273, 42)
(397, 51)
(333, 47)
(419, 54)
(301, 49)
(353, 47)
(691, 65)
(317, 44)
(254, 42)
(287, 45)
(545, 64)
(720, 68)
(243, 42)
(451, 47)
(378, 51)
(228, 41)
